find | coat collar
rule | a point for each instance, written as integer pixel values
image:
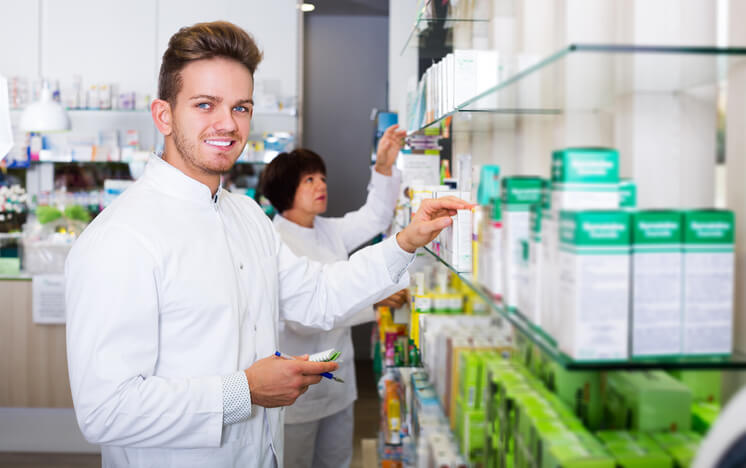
(172, 181)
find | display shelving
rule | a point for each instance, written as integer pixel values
(592, 77)
(735, 361)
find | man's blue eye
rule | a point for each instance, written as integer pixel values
(204, 105)
(241, 108)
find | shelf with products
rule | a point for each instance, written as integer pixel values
(735, 361)
(582, 77)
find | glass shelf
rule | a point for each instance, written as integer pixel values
(736, 361)
(600, 78)
(425, 20)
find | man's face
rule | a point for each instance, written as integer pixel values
(212, 114)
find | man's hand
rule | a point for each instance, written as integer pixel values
(433, 216)
(275, 381)
(388, 149)
(395, 300)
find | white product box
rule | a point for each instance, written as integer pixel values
(708, 282)
(518, 194)
(655, 328)
(594, 263)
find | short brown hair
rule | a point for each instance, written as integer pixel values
(281, 177)
(204, 41)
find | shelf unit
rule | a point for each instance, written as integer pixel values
(559, 83)
(736, 361)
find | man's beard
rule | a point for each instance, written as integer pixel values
(189, 152)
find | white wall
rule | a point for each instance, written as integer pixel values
(122, 42)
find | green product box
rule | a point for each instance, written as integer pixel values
(657, 269)
(470, 431)
(470, 370)
(646, 401)
(681, 446)
(627, 193)
(634, 450)
(704, 416)
(575, 456)
(594, 285)
(585, 178)
(704, 384)
(580, 391)
(708, 282)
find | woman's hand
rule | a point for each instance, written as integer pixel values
(388, 149)
(394, 301)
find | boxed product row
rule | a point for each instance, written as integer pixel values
(505, 416)
(575, 258)
(451, 82)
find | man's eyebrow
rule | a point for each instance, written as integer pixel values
(219, 99)
(208, 97)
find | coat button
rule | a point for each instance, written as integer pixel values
(240, 266)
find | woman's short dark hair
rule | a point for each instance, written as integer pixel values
(281, 177)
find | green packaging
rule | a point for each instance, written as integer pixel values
(704, 416)
(634, 450)
(704, 384)
(681, 446)
(646, 401)
(580, 391)
(627, 193)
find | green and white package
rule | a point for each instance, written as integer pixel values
(656, 283)
(518, 194)
(627, 193)
(594, 284)
(585, 178)
(708, 282)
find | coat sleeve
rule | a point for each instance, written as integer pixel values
(111, 299)
(360, 226)
(327, 295)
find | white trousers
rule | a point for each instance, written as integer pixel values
(324, 443)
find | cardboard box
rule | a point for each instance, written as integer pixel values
(656, 283)
(594, 285)
(646, 401)
(708, 282)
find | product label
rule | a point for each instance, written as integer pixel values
(586, 165)
(657, 228)
(423, 304)
(536, 216)
(708, 227)
(594, 305)
(594, 229)
(521, 191)
(656, 302)
(708, 302)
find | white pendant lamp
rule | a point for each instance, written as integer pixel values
(45, 115)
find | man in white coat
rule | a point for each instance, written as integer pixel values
(174, 292)
(319, 426)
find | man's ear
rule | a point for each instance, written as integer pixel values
(162, 116)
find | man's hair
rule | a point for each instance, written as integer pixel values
(204, 41)
(281, 177)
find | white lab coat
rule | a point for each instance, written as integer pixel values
(168, 290)
(331, 240)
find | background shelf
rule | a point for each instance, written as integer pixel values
(600, 77)
(734, 362)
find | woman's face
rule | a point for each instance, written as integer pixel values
(310, 197)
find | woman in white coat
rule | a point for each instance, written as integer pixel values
(319, 426)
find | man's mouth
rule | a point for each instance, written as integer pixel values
(220, 143)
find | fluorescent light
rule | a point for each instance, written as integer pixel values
(307, 7)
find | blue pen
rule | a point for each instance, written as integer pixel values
(328, 375)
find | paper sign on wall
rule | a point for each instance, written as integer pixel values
(48, 298)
